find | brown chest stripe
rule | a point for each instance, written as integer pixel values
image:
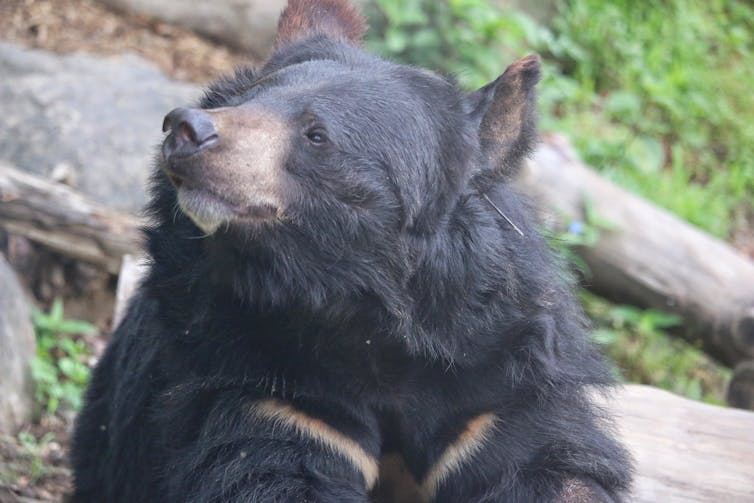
(468, 443)
(284, 414)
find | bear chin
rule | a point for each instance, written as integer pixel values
(210, 211)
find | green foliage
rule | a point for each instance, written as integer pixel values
(466, 38)
(59, 369)
(26, 461)
(577, 234)
(34, 450)
(656, 95)
(637, 340)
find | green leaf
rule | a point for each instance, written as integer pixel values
(623, 105)
(604, 336)
(52, 404)
(75, 327)
(396, 41)
(661, 319)
(594, 218)
(626, 314)
(43, 372)
(56, 310)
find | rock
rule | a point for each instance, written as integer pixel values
(90, 121)
(17, 348)
(244, 24)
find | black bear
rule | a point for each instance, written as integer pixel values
(346, 300)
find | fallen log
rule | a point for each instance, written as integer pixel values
(62, 219)
(132, 271)
(685, 451)
(652, 259)
(741, 386)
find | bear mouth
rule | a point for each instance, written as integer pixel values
(210, 210)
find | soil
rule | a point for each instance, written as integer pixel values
(85, 25)
(34, 465)
(743, 238)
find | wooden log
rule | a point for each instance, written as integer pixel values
(652, 259)
(62, 219)
(132, 271)
(685, 451)
(741, 386)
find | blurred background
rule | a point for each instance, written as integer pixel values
(656, 98)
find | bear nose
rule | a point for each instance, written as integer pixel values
(191, 130)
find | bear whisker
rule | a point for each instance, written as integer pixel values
(515, 227)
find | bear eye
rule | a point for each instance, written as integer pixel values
(317, 136)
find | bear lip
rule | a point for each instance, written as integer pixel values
(254, 211)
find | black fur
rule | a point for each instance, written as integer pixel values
(394, 304)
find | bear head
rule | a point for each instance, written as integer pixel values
(323, 179)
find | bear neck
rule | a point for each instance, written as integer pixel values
(466, 294)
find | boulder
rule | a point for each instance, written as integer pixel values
(244, 24)
(17, 348)
(90, 121)
(249, 25)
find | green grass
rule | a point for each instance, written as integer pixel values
(59, 368)
(33, 449)
(637, 342)
(655, 95)
(658, 96)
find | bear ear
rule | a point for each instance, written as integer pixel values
(506, 113)
(337, 19)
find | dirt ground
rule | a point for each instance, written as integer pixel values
(88, 26)
(35, 468)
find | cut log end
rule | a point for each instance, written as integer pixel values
(741, 387)
(745, 330)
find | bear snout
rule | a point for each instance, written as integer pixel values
(227, 164)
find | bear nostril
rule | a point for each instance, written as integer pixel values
(186, 134)
(191, 130)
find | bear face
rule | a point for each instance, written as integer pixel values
(310, 137)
